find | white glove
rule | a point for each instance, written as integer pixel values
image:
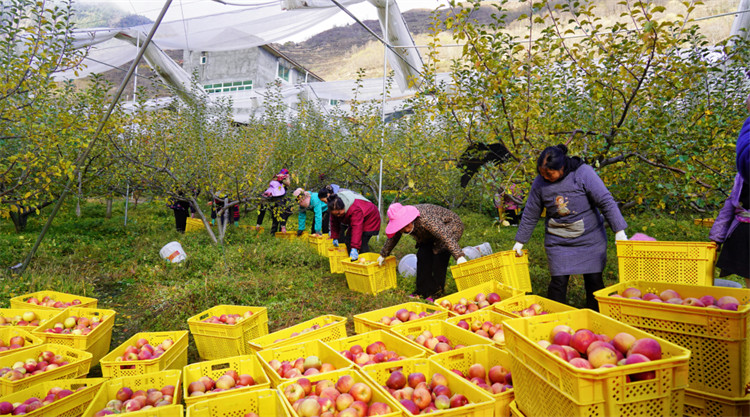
(460, 260)
(517, 247)
(621, 235)
(381, 260)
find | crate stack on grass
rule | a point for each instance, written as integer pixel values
(366, 276)
(504, 267)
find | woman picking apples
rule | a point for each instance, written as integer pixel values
(362, 217)
(437, 231)
(310, 201)
(575, 238)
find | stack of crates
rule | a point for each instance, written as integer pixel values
(504, 267)
(366, 276)
(678, 262)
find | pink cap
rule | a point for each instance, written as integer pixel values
(398, 217)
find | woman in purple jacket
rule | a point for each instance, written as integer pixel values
(575, 239)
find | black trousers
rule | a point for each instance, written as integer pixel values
(431, 270)
(280, 208)
(326, 220)
(180, 220)
(366, 236)
(558, 288)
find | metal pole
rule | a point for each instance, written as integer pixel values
(382, 112)
(135, 98)
(127, 199)
(93, 140)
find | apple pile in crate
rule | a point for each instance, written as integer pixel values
(498, 379)
(587, 350)
(375, 352)
(31, 404)
(142, 350)
(673, 297)
(325, 398)
(420, 397)
(464, 306)
(309, 329)
(28, 318)
(47, 301)
(228, 318)
(310, 365)
(14, 342)
(532, 310)
(126, 400)
(437, 344)
(403, 315)
(488, 329)
(76, 325)
(46, 361)
(230, 380)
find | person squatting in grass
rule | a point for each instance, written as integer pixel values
(218, 203)
(575, 238)
(731, 229)
(181, 208)
(309, 201)
(362, 217)
(437, 231)
(276, 200)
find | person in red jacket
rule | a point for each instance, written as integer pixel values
(362, 217)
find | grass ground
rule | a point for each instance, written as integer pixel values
(99, 257)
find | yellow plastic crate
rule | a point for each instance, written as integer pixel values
(330, 328)
(42, 315)
(545, 384)
(470, 294)
(514, 411)
(488, 356)
(369, 321)
(674, 262)
(335, 256)
(717, 339)
(265, 403)
(481, 403)
(377, 392)
(144, 382)
(320, 243)
(194, 225)
(78, 365)
(504, 267)
(246, 364)
(370, 278)
(455, 334)
(20, 301)
(302, 350)
(173, 358)
(290, 235)
(216, 341)
(96, 342)
(391, 341)
(707, 222)
(252, 228)
(30, 340)
(71, 406)
(702, 404)
(482, 315)
(520, 302)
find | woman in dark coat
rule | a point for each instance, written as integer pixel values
(437, 231)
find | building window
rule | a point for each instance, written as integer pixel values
(204, 58)
(333, 102)
(229, 86)
(283, 72)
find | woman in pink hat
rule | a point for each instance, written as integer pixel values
(437, 231)
(275, 198)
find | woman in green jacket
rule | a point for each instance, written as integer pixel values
(310, 201)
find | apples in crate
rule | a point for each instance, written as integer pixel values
(350, 398)
(494, 380)
(303, 331)
(419, 396)
(439, 343)
(127, 400)
(464, 305)
(28, 318)
(48, 301)
(375, 352)
(230, 380)
(46, 361)
(76, 325)
(403, 316)
(14, 342)
(309, 365)
(33, 403)
(484, 328)
(671, 296)
(228, 318)
(142, 350)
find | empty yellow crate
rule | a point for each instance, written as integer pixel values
(78, 365)
(514, 411)
(21, 301)
(470, 294)
(391, 341)
(369, 321)
(455, 334)
(504, 267)
(335, 256)
(215, 341)
(290, 235)
(73, 405)
(246, 364)
(194, 225)
(377, 393)
(707, 222)
(702, 404)
(30, 340)
(157, 380)
(520, 302)
(483, 316)
(546, 385)
(96, 342)
(369, 277)
(320, 243)
(15, 315)
(329, 327)
(302, 350)
(675, 262)
(175, 357)
(265, 403)
(717, 339)
(487, 356)
(481, 403)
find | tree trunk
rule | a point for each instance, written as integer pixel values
(78, 200)
(203, 218)
(109, 208)
(19, 220)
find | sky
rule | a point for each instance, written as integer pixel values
(189, 8)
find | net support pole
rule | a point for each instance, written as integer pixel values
(382, 113)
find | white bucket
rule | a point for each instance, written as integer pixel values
(407, 266)
(485, 249)
(173, 252)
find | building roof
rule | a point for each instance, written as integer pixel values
(275, 52)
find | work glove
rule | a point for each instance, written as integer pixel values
(381, 260)
(335, 243)
(460, 260)
(212, 222)
(354, 254)
(621, 235)
(517, 247)
(236, 223)
(299, 232)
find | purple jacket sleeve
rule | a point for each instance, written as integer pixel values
(531, 213)
(603, 199)
(724, 220)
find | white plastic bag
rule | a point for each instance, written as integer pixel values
(173, 252)
(408, 265)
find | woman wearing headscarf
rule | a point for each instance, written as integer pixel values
(362, 217)
(437, 231)
(575, 238)
(276, 200)
(309, 201)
